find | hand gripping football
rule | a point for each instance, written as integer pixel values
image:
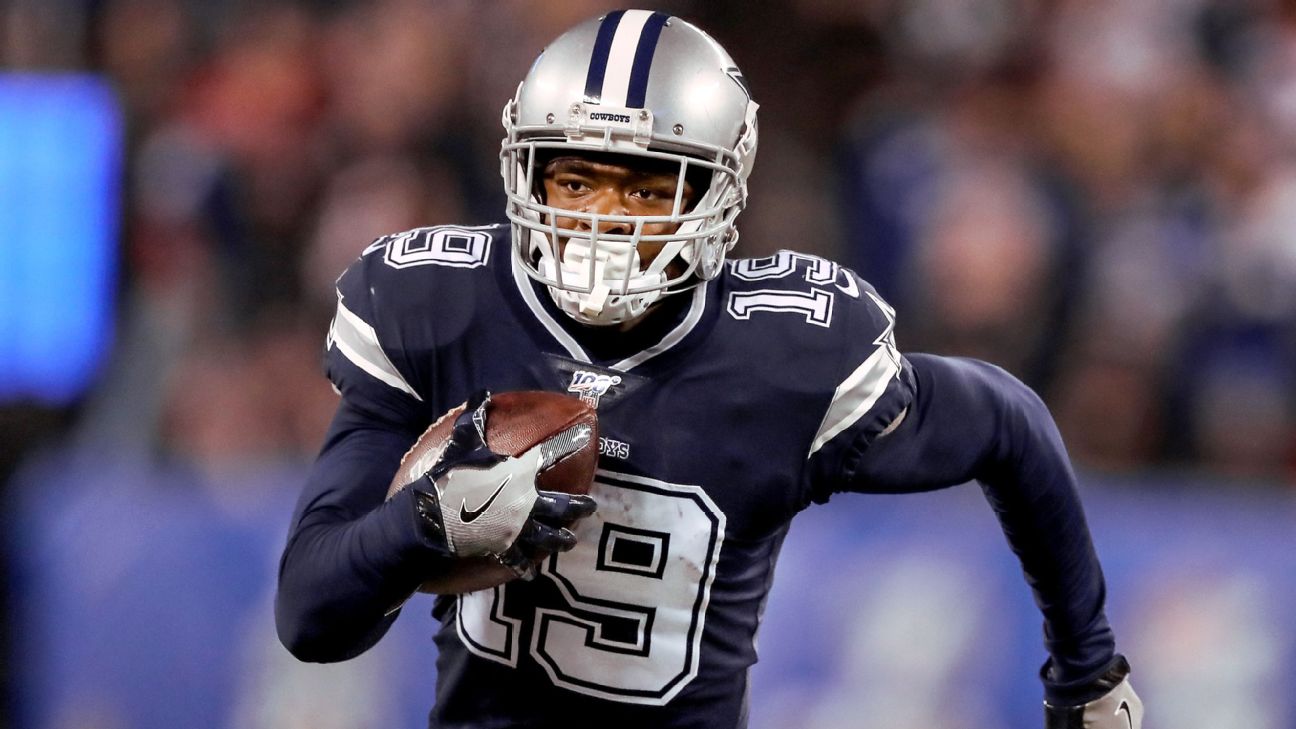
(515, 423)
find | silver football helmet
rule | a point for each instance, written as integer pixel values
(644, 84)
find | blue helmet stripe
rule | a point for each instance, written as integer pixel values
(643, 60)
(599, 61)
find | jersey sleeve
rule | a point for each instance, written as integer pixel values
(875, 386)
(364, 357)
(351, 554)
(973, 421)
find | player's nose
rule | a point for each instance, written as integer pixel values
(608, 201)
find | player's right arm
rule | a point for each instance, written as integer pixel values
(351, 555)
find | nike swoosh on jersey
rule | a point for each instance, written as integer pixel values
(467, 515)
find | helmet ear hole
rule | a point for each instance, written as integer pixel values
(699, 180)
(542, 160)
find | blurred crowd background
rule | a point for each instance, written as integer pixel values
(1098, 195)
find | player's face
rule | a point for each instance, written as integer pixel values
(604, 186)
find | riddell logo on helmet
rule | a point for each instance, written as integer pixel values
(591, 386)
(606, 116)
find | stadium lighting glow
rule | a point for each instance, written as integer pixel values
(60, 189)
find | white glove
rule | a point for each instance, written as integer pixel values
(1119, 708)
(484, 509)
(476, 502)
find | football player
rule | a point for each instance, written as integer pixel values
(731, 396)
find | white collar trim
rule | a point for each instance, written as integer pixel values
(696, 308)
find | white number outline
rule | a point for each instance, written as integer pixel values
(816, 305)
(437, 247)
(506, 654)
(505, 629)
(819, 271)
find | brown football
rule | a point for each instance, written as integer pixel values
(515, 423)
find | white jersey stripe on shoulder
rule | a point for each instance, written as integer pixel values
(554, 328)
(616, 80)
(358, 341)
(856, 395)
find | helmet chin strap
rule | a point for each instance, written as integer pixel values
(599, 306)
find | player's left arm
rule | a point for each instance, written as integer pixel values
(971, 420)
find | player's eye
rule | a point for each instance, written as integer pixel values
(573, 185)
(652, 193)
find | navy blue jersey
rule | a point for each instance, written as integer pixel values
(721, 417)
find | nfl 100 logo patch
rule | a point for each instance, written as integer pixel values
(590, 386)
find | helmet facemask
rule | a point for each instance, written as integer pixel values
(670, 98)
(600, 278)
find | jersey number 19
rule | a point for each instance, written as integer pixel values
(634, 595)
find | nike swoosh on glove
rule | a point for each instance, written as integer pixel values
(1118, 708)
(476, 502)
